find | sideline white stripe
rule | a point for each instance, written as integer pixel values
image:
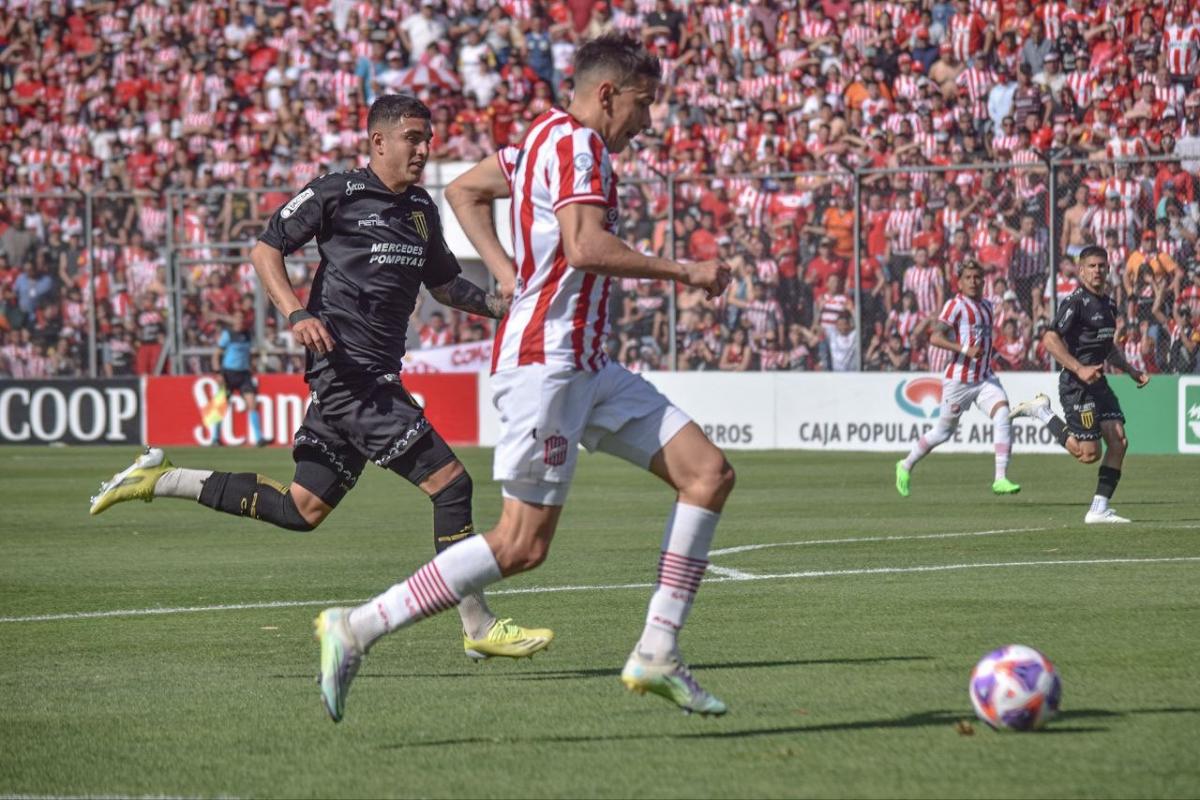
(741, 577)
(746, 548)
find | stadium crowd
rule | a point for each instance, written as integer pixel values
(768, 109)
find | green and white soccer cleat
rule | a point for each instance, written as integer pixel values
(136, 482)
(1005, 486)
(1029, 408)
(506, 638)
(671, 680)
(341, 656)
(902, 476)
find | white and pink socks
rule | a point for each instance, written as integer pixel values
(438, 586)
(681, 566)
(1003, 435)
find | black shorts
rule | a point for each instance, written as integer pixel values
(343, 429)
(1085, 406)
(240, 381)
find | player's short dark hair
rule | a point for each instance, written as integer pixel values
(622, 57)
(389, 109)
(969, 263)
(1093, 250)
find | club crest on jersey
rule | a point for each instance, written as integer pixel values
(418, 221)
(584, 162)
(555, 450)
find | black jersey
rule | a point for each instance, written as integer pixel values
(1087, 324)
(377, 248)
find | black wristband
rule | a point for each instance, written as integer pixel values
(299, 315)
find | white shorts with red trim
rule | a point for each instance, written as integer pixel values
(957, 396)
(548, 410)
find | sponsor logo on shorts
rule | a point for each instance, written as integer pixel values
(1087, 415)
(555, 451)
(296, 202)
(354, 186)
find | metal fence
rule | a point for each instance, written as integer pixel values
(832, 271)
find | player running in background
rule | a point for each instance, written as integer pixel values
(1082, 341)
(232, 360)
(965, 329)
(553, 385)
(380, 239)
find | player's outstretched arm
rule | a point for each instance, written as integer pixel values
(460, 293)
(939, 336)
(471, 196)
(308, 330)
(589, 246)
(1057, 348)
(1118, 360)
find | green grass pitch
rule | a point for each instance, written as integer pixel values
(845, 669)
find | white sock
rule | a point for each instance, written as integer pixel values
(476, 617)
(681, 565)
(180, 482)
(1003, 434)
(454, 573)
(1044, 413)
(1099, 503)
(941, 432)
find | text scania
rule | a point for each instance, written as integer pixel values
(408, 255)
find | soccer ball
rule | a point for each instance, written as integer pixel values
(1015, 688)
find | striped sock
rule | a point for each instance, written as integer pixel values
(681, 566)
(438, 586)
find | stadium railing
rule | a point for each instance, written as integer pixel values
(1024, 221)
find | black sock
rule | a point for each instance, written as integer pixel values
(245, 494)
(1059, 429)
(1107, 484)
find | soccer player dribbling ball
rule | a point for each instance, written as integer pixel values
(554, 387)
(965, 328)
(380, 238)
(1082, 340)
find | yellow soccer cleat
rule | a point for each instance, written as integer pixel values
(506, 638)
(136, 482)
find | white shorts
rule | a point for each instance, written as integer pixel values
(547, 411)
(957, 396)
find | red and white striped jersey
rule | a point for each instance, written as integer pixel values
(559, 314)
(903, 224)
(903, 323)
(1133, 147)
(1182, 43)
(1122, 221)
(971, 321)
(923, 282)
(1081, 83)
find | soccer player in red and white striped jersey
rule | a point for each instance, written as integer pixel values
(553, 386)
(964, 328)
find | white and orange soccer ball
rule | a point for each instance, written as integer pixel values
(1015, 688)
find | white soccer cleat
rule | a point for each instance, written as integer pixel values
(1030, 408)
(1107, 516)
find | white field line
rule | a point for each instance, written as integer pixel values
(746, 548)
(741, 577)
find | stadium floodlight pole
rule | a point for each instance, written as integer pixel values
(1052, 177)
(672, 334)
(858, 265)
(91, 268)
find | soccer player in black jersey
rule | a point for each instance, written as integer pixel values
(1082, 341)
(380, 239)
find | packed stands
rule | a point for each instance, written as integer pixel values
(141, 138)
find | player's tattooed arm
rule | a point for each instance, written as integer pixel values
(460, 293)
(1118, 360)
